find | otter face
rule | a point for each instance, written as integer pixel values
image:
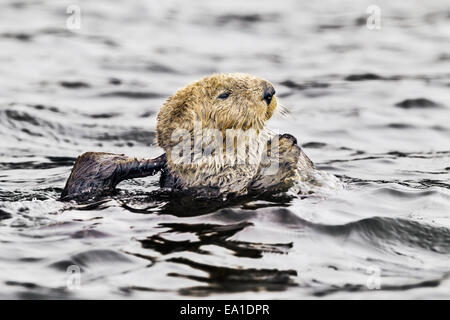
(237, 101)
(220, 101)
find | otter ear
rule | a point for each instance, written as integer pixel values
(176, 113)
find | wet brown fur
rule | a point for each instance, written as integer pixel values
(97, 173)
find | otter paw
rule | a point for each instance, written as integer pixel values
(288, 137)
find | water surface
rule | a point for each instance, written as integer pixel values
(369, 106)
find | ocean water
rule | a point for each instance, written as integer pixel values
(370, 106)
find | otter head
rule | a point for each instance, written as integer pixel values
(221, 101)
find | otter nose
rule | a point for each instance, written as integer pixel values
(269, 91)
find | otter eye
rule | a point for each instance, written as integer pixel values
(224, 95)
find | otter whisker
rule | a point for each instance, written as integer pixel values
(282, 110)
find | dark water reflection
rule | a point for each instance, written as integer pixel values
(369, 106)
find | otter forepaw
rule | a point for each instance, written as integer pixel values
(288, 137)
(97, 173)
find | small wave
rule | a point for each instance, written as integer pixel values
(390, 233)
(316, 182)
(314, 145)
(419, 103)
(400, 126)
(34, 291)
(107, 115)
(21, 117)
(132, 134)
(225, 279)
(394, 155)
(245, 19)
(303, 86)
(21, 36)
(92, 259)
(364, 77)
(132, 94)
(211, 234)
(54, 162)
(160, 68)
(74, 84)
(4, 215)
(420, 184)
(360, 288)
(44, 107)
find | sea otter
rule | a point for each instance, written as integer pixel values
(215, 141)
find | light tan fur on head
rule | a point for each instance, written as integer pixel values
(244, 108)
